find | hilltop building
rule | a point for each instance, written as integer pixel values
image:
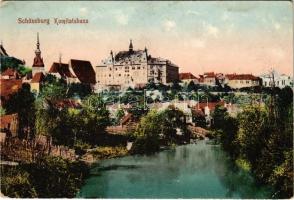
(237, 81)
(187, 77)
(208, 79)
(281, 80)
(134, 67)
(76, 71)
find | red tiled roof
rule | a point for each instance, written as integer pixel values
(187, 75)
(38, 77)
(38, 62)
(7, 119)
(10, 86)
(83, 70)
(241, 77)
(209, 75)
(9, 72)
(62, 69)
(211, 105)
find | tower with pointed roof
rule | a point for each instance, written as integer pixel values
(38, 64)
(131, 46)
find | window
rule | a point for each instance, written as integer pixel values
(109, 75)
(138, 67)
(133, 68)
(264, 83)
(119, 74)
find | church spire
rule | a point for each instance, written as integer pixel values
(112, 58)
(38, 61)
(38, 43)
(38, 51)
(60, 57)
(131, 46)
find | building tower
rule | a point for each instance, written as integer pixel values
(131, 46)
(38, 65)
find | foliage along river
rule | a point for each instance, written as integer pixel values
(190, 171)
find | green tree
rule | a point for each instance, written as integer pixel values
(159, 128)
(94, 119)
(119, 115)
(53, 88)
(23, 103)
(79, 89)
(2, 111)
(54, 177)
(199, 118)
(147, 134)
(15, 183)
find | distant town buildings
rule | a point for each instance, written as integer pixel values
(131, 68)
(134, 67)
(280, 80)
(237, 81)
(208, 78)
(76, 71)
(186, 78)
(212, 79)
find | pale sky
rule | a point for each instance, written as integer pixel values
(228, 37)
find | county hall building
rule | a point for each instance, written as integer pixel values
(134, 68)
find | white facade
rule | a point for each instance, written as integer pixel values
(281, 80)
(132, 68)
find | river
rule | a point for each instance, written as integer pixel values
(197, 170)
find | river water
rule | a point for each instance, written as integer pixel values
(197, 170)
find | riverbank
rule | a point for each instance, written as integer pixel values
(28, 174)
(186, 171)
(102, 153)
(48, 177)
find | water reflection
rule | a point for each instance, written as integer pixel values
(190, 171)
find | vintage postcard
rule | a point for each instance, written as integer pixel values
(146, 99)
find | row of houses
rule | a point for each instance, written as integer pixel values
(237, 81)
(134, 68)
